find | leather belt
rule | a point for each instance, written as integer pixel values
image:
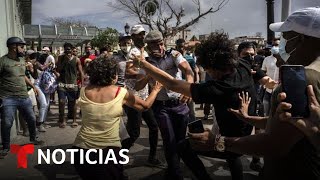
(67, 85)
(169, 103)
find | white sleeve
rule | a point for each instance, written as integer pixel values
(264, 64)
(133, 52)
(177, 58)
(50, 59)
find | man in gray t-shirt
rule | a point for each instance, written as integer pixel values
(171, 110)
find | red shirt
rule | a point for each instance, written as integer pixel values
(91, 56)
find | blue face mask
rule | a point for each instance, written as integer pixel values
(282, 48)
(275, 50)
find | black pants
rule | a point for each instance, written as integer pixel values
(133, 128)
(173, 122)
(110, 171)
(233, 160)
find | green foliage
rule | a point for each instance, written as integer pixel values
(108, 37)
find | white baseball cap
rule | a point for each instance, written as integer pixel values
(45, 49)
(136, 29)
(29, 52)
(304, 21)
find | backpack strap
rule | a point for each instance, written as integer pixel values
(117, 93)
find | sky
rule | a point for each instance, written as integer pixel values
(237, 17)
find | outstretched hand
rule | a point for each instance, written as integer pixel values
(242, 112)
(271, 84)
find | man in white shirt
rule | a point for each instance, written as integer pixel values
(50, 58)
(132, 77)
(271, 69)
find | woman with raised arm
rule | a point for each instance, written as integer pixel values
(101, 106)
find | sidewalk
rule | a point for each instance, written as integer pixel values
(56, 137)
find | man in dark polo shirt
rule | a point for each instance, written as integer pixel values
(13, 92)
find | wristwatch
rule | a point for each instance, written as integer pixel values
(219, 144)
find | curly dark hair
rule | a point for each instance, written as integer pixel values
(217, 52)
(102, 71)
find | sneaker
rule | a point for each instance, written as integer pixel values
(154, 162)
(37, 142)
(47, 126)
(4, 153)
(256, 166)
(41, 128)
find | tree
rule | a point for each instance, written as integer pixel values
(68, 21)
(164, 15)
(108, 37)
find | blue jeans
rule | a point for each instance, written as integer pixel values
(71, 95)
(43, 103)
(8, 111)
(172, 122)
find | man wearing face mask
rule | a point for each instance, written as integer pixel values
(247, 52)
(125, 43)
(270, 68)
(13, 93)
(88, 54)
(136, 81)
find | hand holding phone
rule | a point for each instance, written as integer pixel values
(294, 84)
(196, 127)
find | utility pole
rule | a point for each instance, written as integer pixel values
(270, 20)
(286, 7)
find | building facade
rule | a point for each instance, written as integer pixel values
(185, 34)
(13, 14)
(260, 41)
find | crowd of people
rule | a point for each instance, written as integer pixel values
(146, 81)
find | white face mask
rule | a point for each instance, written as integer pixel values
(125, 49)
(282, 48)
(275, 50)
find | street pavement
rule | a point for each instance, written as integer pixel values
(56, 137)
